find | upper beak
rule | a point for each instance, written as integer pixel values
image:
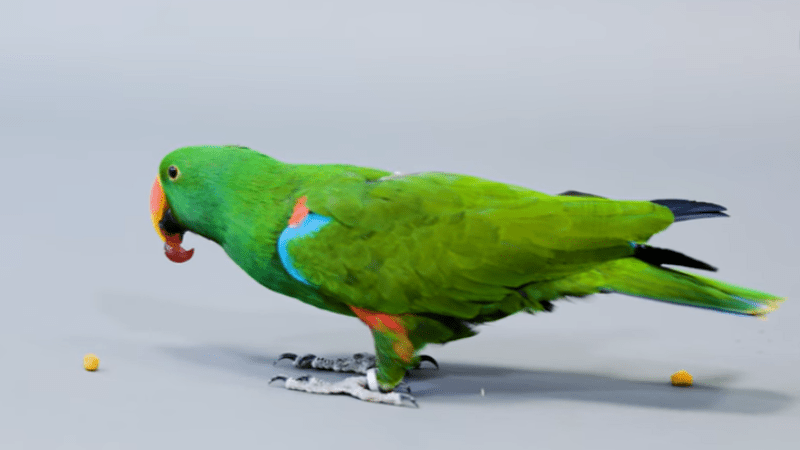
(166, 226)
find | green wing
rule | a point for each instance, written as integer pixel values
(456, 245)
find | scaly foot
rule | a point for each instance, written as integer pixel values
(363, 388)
(358, 363)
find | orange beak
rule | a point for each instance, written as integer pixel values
(162, 218)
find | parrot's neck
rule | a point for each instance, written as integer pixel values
(256, 207)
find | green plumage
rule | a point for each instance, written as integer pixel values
(442, 251)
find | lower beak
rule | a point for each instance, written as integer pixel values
(166, 226)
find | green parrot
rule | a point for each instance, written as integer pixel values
(422, 258)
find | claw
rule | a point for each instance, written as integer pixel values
(283, 356)
(278, 377)
(409, 401)
(303, 362)
(426, 358)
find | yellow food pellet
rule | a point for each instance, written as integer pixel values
(90, 362)
(681, 378)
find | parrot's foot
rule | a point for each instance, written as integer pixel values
(358, 363)
(363, 388)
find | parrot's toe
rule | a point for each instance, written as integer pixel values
(352, 386)
(402, 388)
(358, 363)
(408, 400)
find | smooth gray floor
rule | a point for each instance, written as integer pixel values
(642, 100)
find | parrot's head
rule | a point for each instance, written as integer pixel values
(187, 193)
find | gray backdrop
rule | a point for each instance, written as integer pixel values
(627, 99)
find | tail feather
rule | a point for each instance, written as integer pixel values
(643, 276)
(633, 277)
(690, 209)
(658, 256)
(681, 209)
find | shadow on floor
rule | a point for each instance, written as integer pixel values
(458, 382)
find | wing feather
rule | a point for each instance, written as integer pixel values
(452, 244)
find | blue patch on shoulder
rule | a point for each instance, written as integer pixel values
(311, 224)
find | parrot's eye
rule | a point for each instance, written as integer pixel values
(173, 172)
